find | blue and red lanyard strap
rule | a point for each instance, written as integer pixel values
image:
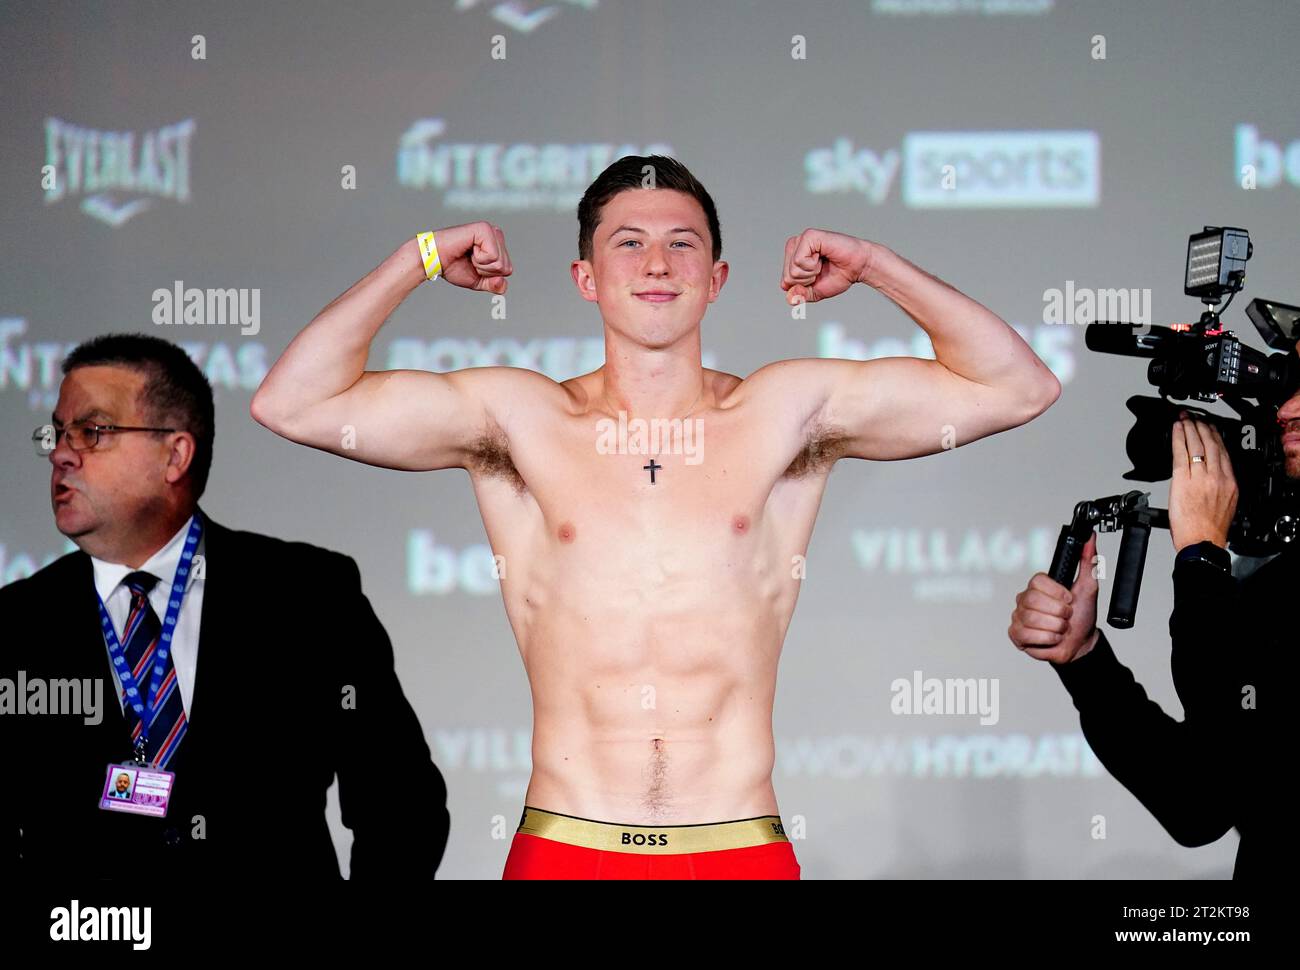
(144, 706)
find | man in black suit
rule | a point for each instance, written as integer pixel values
(278, 668)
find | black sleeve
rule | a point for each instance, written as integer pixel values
(1214, 639)
(1168, 765)
(11, 616)
(392, 796)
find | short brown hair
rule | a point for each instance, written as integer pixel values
(629, 173)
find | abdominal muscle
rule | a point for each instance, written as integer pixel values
(652, 695)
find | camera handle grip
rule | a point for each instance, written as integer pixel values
(1128, 574)
(1069, 549)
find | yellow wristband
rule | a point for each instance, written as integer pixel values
(429, 253)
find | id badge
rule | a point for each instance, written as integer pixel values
(137, 789)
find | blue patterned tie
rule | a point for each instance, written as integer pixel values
(146, 653)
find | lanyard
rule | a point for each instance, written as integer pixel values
(144, 707)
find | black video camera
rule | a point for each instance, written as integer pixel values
(1204, 362)
(1201, 362)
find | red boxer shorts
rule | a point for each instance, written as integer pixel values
(552, 846)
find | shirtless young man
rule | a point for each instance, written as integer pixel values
(650, 588)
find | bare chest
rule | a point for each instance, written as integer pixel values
(695, 492)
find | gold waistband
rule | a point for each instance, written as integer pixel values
(652, 839)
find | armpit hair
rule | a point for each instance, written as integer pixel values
(490, 457)
(823, 446)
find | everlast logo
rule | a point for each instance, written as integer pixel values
(636, 838)
(105, 164)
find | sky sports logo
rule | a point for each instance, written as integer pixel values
(967, 170)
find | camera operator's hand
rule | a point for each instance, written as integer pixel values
(1203, 490)
(1056, 624)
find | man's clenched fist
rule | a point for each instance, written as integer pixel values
(474, 256)
(820, 264)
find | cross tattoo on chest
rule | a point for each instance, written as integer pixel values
(652, 468)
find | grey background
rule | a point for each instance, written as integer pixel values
(290, 93)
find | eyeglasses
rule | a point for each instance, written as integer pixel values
(81, 436)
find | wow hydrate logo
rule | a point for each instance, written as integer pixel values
(117, 175)
(518, 176)
(967, 170)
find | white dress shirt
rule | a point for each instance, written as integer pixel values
(109, 582)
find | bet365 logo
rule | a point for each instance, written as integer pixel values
(1264, 163)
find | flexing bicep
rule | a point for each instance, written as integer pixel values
(891, 408)
(408, 419)
(905, 407)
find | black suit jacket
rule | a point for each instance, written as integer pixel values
(1224, 765)
(285, 631)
